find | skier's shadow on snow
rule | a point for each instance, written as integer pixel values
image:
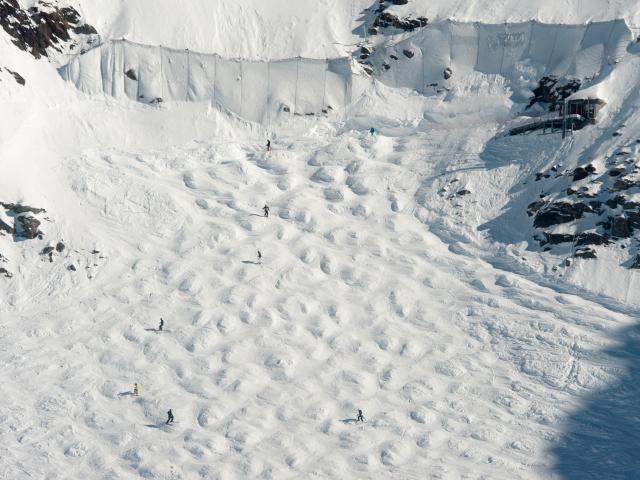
(159, 426)
(349, 420)
(250, 262)
(126, 394)
(602, 438)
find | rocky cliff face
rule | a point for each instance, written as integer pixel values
(45, 27)
(591, 206)
(386, 23)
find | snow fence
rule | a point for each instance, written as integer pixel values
(258, 91)
(253, 90)
(513, 50)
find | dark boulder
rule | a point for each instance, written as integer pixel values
(447, 73)
(6, 227)
(595, 206)
(629, 205)
(131, 73)
(589, 253)
(623, 184)
(60, 247)
(535, 206)
(579, 174)
(636, 262)
(387, 20)
(29, 227)
(615, 201)
(558, 238)
(590, 169)
(560, 212)
(592, 238)
(552, 92)
(616, 171)
(408, 53)
(17, 209)
(5, 272)
(463, 192)
(620, 227)
(633, 218)
(17, 77)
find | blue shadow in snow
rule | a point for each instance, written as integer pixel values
(602, 439)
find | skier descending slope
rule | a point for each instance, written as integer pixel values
(372, 131)
(169, 417)
(136, 389)
(161, 324)
(259, 256)
(266, 210)
(360, 417)
(268, 145)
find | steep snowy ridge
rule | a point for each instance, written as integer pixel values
(400, 272)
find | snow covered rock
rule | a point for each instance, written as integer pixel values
(43, 26)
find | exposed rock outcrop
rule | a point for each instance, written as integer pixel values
(560, 212)
(43, 26)
(28, 227)
(588, 253)
(551, 93)
(610, 213)
(16, 76)
(25, 225)
(620, 227)
(388, 20)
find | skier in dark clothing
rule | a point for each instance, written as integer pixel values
(161, 324)
(360, 417)
(259, 256)
(268, 145)
(169, 417)
(266, 211)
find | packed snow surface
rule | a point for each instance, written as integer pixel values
(396, 273)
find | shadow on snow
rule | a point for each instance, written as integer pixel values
(602, 438)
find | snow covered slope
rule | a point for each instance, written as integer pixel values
(400, 273)
(275, 29)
